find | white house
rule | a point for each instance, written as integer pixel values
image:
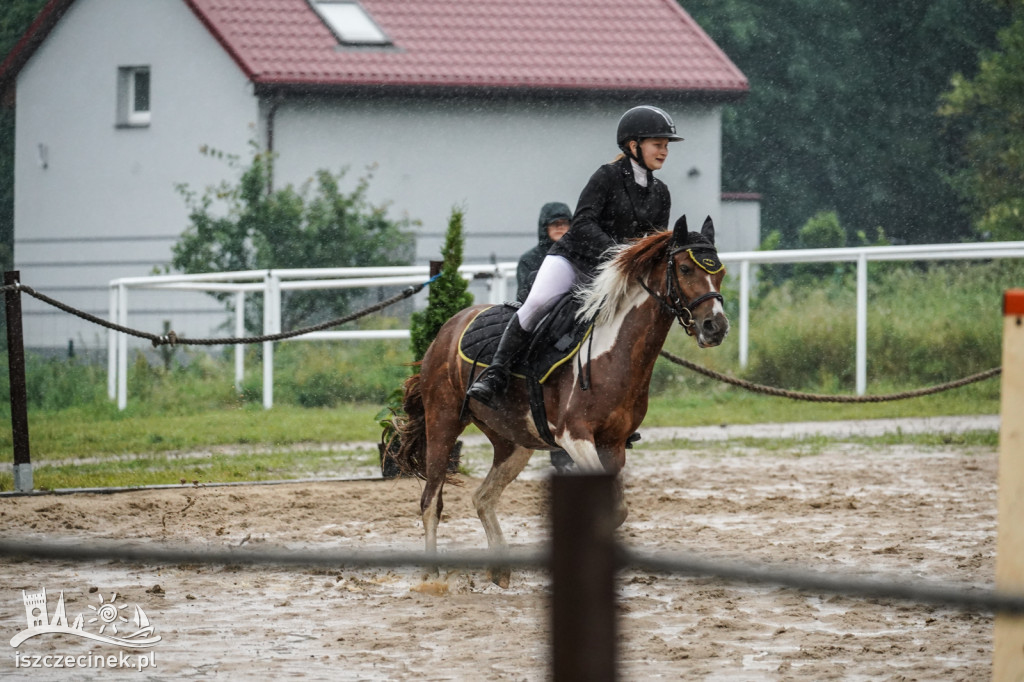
(495, 105)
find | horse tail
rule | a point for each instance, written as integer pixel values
(411, 431)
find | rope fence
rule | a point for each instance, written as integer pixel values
(822, 398)
(172, 339)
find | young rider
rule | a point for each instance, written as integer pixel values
(621, 201)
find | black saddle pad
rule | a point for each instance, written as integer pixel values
(557, 339)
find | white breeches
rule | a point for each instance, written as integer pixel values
(555, 277)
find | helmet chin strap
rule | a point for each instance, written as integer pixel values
(639, 158)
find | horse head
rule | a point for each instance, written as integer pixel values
(693, 282)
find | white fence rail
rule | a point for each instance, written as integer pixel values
(861, 256)
(270, 283)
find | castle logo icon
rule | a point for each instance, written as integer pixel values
(109, 619)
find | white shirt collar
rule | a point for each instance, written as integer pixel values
(639, 173)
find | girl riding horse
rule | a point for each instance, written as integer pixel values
(622, 201)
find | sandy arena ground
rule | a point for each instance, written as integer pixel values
(919, 513)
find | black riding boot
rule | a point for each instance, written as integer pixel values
(494, 379)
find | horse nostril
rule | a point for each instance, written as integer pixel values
(710, 327)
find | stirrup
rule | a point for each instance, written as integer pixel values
(491, 383)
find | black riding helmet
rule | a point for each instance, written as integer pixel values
(640, 123)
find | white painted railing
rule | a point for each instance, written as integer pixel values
(861, 256)
(271, 283)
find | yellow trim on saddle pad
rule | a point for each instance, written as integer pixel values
(568, 357)
(463, 334)
(544, 378)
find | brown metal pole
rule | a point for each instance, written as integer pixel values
(19, 395)
(583, 568)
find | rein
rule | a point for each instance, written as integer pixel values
(674, 301)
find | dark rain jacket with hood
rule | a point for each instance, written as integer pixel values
(530, 261)
(612, 209)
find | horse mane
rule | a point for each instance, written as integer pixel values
(617, 277)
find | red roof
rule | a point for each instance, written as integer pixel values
(609, 45)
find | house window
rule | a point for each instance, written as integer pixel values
(350, 23)
(133, 96)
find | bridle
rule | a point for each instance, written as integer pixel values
(674, 301)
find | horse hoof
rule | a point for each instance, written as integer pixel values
(500, 576)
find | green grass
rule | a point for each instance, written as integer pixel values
(198, 469)
(817, 443)
(714, 403)
(279, 463)
(83, 433)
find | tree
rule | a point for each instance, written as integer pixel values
(841, 111)
(315, 226)
(990, 107)
(448, 294)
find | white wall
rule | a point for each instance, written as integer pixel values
(740, 228)
(500, 160)
(105, 206)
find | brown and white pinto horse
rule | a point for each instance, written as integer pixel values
(633, 301)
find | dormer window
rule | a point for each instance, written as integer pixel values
(350, 23)
(133, 96)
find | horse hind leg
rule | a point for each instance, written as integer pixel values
(439, 448)
(509, 461)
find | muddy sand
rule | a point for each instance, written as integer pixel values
(918, 513)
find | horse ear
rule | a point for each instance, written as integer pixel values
(680, 232)
(708, 229)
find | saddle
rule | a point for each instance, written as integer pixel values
(557, 339)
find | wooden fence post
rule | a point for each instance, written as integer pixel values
(583, 568)
(1008, 663)
(19, 394)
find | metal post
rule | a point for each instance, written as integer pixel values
(744, 312)
(239, 332)
(271, 325)
(862, 323)
(122, 348)
(19, 392)
(583, 567)
(112, 348)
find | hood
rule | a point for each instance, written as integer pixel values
(550, 212)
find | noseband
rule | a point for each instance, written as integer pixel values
(674, 301)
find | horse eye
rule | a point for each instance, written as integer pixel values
(684, 269)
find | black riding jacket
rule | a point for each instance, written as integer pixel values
(612, 209)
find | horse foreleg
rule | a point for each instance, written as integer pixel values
(504, 470)
(584, 453)
(621, 509)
